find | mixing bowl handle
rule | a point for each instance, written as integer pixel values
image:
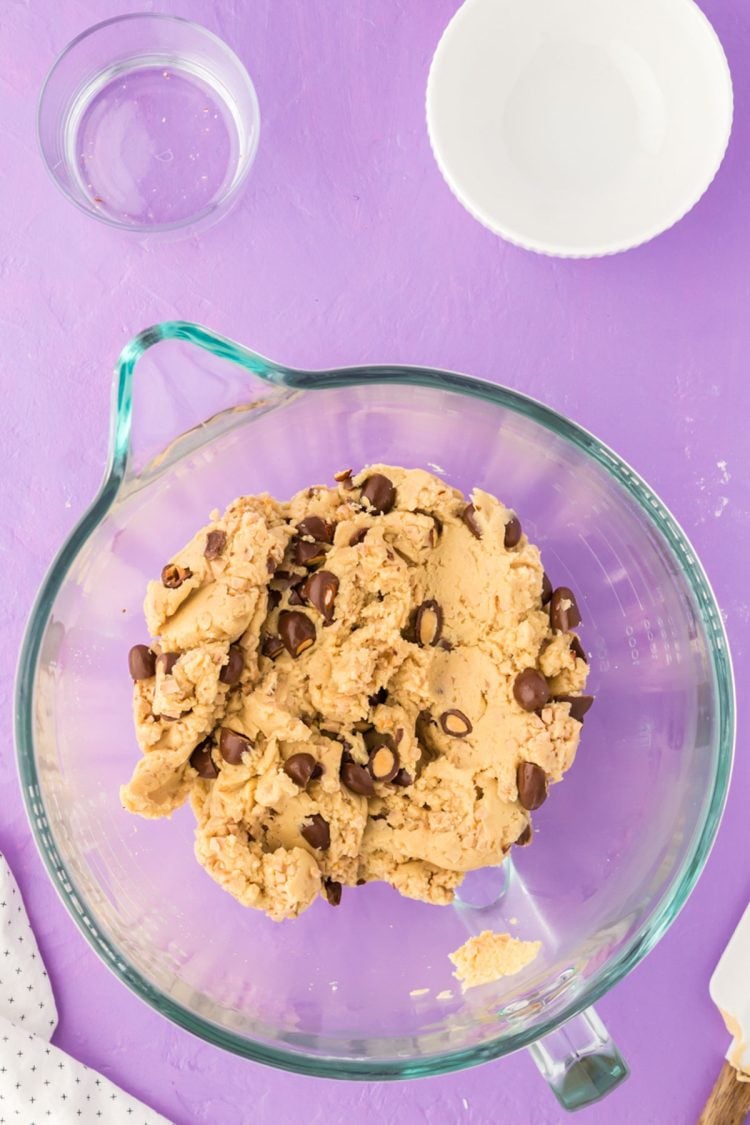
(187, 377)
(579, 1061)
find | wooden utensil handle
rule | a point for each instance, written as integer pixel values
(729, 1101)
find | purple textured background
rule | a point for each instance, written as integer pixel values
(348, 248)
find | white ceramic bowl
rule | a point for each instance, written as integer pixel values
(579, 127)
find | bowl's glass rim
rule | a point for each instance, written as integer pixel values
(673, 897)
(232, 190)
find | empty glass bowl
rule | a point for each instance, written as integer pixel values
(366, 991)
(149, 123)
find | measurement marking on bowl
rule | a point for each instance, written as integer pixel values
(604, 571)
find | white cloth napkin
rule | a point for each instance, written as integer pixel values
(40, 1084)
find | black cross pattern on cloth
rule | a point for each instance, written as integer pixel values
(39, 1082)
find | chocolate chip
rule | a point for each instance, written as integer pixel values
(380, 696)
(379, 492)
(335, 736)
(470, 519)
(524, 839)
(409, 631)
(344, 478)
(546, 589)
(301, 768)
(446, 646)
(357, 779)
(271, 565)
(202, 762)
(233, 746)
(167, 661)
(274, 598)
(315, 527)
(296, 594)
(172, 576)
(320, 590)
(579, 704)
(531, 690)
(578, 650)
(216, 541)
(455, 724)
(512, 532)
(422, 726)
(232, 670)
(362, 725)
(403, 778)
(141, 662)
(374, 738)
(333, 891)
(271, 646)
(531, 781)
(297, 632)
(308, 554)
(428, 624)
(316, 832)
(437, 526)
(358, 537)
(384, 763)
(564, 613)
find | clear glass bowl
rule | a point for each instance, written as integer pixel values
(149, 123)
(616, 849)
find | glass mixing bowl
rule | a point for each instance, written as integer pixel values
(366, 991)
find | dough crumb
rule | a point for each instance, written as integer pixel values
(419, 991)
(491, 956)
(446, 994)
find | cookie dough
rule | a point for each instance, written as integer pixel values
(489, 957)
(372, 681)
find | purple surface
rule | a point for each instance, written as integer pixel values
(348, 248)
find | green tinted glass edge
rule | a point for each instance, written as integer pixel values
(120, 422)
